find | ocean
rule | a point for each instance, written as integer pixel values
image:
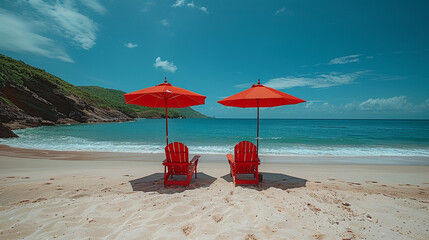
(279, 137)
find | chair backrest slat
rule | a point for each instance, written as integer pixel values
(245, 151)
(177, 152)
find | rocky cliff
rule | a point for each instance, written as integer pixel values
(31, 97)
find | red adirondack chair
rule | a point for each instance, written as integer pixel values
(177, 163)
(245, 161)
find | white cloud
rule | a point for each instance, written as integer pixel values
(165, 65)
(393, 103)
(204, 9)
(19, 35)
(68, 21)
(381, 77)
(390, 107)
(345, 59)
(191, 4)
(94, 5)
(164, 22)
(182, 3)
(280, 10)
(179, 3)
(319, 81)
(310, 104)
(397, 103)
(131, 45)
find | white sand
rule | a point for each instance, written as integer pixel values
(77, 195)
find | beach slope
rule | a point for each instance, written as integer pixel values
(76, 195)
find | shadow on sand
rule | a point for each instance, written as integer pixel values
(276, 180)
(155, 183)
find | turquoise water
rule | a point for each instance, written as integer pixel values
(277, 136)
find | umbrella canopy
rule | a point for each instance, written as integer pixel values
(165, 96)
(260, 96)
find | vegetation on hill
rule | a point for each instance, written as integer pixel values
(47, 86)
(115, 99)
(21, 75)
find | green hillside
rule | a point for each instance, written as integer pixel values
(115, 99)
(42, 94)
(23, 75)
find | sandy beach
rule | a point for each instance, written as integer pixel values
(90, 195)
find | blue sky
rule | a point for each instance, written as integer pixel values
(348, 59)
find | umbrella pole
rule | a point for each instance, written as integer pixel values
(257, 136)
(166, 121)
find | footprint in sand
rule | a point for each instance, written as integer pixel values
(250, 237)
(39, 200)
(188, 229)
(318, 236)
(80, 189)
(371, 182)
(353, 183)
(217, 217)
(23, 202)
(78, 196)
(313, 208)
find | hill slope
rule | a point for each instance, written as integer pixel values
(115, 99)
(31, 97)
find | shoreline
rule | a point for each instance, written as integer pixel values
(376, 143)
(6, 150)
(76, 195)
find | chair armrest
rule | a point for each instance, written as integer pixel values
(195, 159)
(175, 164)
(230, 158)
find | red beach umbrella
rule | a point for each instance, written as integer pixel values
(165, 96)
(260, 96)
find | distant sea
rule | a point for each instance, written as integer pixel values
(284, 137)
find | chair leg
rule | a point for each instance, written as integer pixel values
(165, 176)
(234, 176)
(257, 178)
